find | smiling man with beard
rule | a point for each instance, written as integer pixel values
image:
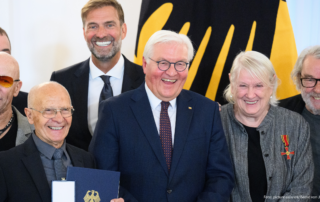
(105, 74)
(306, 76)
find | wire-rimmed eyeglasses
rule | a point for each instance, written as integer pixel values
(51, 113)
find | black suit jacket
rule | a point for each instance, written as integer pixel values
(294, 103)
(20, 102)
(76, 80)
(22, 176)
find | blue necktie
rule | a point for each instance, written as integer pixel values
(106, 91)
(59, 168)
(165, 133)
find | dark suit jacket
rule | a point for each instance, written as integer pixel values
(126, 140)
(294, 103)
(76, 80)
(21, 102)
(22, 176)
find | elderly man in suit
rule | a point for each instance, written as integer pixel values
(26, 171)
(168, 143)
(19, 100)
(15, 128)
(105, 74)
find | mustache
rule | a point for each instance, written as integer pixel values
(106, 38)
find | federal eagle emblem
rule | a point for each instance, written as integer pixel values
(92, 196)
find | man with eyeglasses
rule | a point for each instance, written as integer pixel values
(168, 143)
(14, 127)
(26, 171)
(306, 76)
(19, 100)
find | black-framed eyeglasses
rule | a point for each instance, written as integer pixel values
(309, 82)
(164, 65)
(51, 113)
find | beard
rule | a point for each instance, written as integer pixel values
(307, 99)
(101, 56)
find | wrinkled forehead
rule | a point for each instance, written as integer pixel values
(52, 98)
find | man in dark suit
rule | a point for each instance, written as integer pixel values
(103, 29)
(26, 171)
(306, 76)
(20, 100)
(168, 143)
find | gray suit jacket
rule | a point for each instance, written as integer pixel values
(24, 128)
(287, 180)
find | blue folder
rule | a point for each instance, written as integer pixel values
(94, 184)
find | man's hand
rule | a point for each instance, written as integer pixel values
(117, 200)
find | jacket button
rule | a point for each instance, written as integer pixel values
(270, 178)
(169, 191)
(266, 155)
(262, 132)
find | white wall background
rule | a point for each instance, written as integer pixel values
(46, 35)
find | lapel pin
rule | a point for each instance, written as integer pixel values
(190, 107)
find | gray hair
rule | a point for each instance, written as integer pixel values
(296, 72)
(166, 36)
(257, 65)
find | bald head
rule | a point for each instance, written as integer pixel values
(46, 90)
(9, 66)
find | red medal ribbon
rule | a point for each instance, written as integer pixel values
(285, 140)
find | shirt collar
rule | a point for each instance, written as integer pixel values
(46, 149)
(154, 101)
(116, 71)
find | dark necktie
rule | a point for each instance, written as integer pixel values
(165, 133)
(59, 168)
(106, 91)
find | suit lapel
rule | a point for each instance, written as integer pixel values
(185, 107)
(34, 166)
(131, 78)
(76, 159)
(142, 111)
(80, 94)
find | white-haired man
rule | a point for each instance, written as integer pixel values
(168, 143)
(306, 76)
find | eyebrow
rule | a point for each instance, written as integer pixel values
(307, 75)
(5, 50)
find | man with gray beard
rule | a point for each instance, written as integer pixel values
(306, 76)
(105, 74)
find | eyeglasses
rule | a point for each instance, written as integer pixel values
(164, 65)
(51, 113)
(7, 81)
(309, 82)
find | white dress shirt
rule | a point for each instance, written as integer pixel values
(95, 86)
(155, 104)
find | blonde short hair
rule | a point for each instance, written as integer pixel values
(257, 65)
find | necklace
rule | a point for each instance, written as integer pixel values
(8, 125)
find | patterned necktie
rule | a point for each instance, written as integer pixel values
(106, 91)
(165, 133)
(59, 168)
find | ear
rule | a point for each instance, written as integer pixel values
(123, 31)
(17, 89)
(144, 65)
(84, 33)
(29, 115)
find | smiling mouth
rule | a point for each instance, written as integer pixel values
(55, 128)
(251, 103)
(170, 80)
(103, 43)
(316, 98)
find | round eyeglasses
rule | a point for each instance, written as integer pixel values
(51, 113)
(164, 65)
